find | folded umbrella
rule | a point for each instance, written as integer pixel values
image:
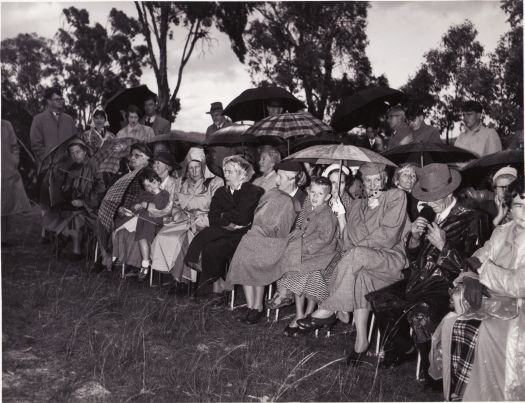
(251, 104)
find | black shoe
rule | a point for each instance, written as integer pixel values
(394, 358)
(74, 257)
(144, 272)
(432, 384)
(356, 359)
(242, 314)
(253, 316)
(220, 300)
(310, 323)
(98, 267)
(294, 331)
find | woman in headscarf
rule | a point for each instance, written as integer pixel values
(97, 133)
(373, 256)
(189, 216)
(230, 217)
(82, 191)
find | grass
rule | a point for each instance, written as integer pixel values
(143, 345)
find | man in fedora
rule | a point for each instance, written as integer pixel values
(219, 120)
(442, 237)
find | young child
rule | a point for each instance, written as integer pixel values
(311, 248)
(148, 226)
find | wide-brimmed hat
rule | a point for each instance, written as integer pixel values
(216, 107)
(435, 182)
(335, 167)
(143, 148)
(291, 166)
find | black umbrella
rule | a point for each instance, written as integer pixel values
(120, 102)
(228, 141)
(477, 173)
(301, 143)
(179, 135)
(364, 107)
(251, 104)
(426, 153)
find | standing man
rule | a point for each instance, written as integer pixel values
(51, 127)
(401, 132)
(274, 107)
(219, 120)
(422, 133)
(156, 122)
(477, 138)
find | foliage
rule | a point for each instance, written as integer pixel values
(311, 47)
(28, 66)
(158, 23)
(95, 63)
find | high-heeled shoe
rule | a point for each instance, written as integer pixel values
(310, 323)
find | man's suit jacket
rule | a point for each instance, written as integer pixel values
(159, 126)
(47, 132)
(427, 134)
(400, 133)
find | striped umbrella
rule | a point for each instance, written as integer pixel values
(333, 153)
(286, 125)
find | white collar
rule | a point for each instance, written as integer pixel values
(151, 119)
(294, 192)
(444, 214)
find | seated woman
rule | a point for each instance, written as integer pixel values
(268, 157)
(373, 256)
(405, 177)
(481, 353)
(134, 128)
(254, 264)
(314, 285)
(189, 216)
(97, 134)
(230, 217)
(82, 191)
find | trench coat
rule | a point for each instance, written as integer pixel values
(47, 132)
(256, 257)
(373, 246)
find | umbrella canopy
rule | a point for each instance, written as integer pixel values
(112, 151)
(115, 197)
(364, 107)
(332, 153)
(427, 153)
(496, 160)
(234, 134)
(299, 144)
(288, 125)
(121, 100)
(179, 135)
(251, 104)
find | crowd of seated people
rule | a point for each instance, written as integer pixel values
(341, 242)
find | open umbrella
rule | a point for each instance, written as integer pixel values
(121, 100)
(179, 142)
(364, 107)
(116, 196)
(301, 143)
(427, 153)
(229, 141)
(251, 104)
(333, 153)
(480, 170)
(234, 134)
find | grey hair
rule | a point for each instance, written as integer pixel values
(397, 173)
(272, 152)
(242, 166)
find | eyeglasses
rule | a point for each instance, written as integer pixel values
(57, 99)
(502, 187)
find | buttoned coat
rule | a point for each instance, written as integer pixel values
(47, 132)
(400, 133)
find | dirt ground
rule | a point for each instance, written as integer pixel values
(71, 334)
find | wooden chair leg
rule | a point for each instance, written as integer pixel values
(232, 300)
(123, 270)
(372, 322)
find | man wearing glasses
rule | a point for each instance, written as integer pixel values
(477, 138)
(401, 132)
(51, 127)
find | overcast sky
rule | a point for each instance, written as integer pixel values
(399, 34)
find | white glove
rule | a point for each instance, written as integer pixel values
(337, 207)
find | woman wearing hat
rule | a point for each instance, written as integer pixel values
(230, 217)
(82, 191)
(189, 215)
(436, 249)
(373, 256)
